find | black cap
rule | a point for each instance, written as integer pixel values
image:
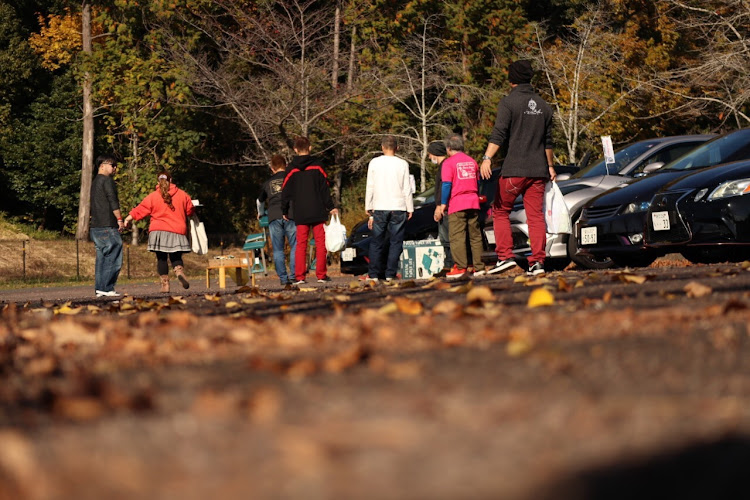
(520, 72)
(437, 148)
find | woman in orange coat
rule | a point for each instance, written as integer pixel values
(169, 208)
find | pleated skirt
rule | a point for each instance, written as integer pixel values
(168, 242)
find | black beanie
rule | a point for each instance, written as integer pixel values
(437, 148)
(520, 72)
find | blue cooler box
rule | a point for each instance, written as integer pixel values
(421, 259)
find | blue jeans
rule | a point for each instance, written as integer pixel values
(394, 223)
(108, 243)
(279, 229)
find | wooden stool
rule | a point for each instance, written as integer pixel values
(222, 264)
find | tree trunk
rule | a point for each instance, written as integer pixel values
(134, 235)
(336, 35)
(87, 164)
(352, 55)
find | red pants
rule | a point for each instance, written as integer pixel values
(300, 254)
(508, 189)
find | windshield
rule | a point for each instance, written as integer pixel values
(623, 157)
(730, 147)
(427, 196)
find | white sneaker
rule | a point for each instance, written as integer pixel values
(111, 293)
(502, 265)
(535, 269)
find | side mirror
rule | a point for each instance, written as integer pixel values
(652, 167)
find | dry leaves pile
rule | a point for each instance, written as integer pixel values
(72, 360)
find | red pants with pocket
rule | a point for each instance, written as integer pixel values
(508, 189)
(300, 254)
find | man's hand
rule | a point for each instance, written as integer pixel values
(438, 213)
(370, 222)
(408, 215)
(285, 217)
(335, 211)
(485, 169)
(552, 174)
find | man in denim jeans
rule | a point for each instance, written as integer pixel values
(388, 201)
(106, 226)
(277, 225)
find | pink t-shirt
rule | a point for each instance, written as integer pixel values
(462, 172)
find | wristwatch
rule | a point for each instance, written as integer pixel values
(485, 157)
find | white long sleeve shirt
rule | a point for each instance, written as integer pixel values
(388, 185)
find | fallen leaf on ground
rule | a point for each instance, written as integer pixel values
(446, 307)
(541, 297)
(480, 294)
(408, 306)
(632, 278)
(67, 310)
(695, 290)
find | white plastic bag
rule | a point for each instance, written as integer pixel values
(556, 214)
(198, 238)
(335, 234)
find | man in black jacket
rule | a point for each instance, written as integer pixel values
(306, 185)
(105, 227)
(279, 227)
(524, 120)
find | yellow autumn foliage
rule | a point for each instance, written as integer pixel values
(58, 40)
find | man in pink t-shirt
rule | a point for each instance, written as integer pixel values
(460, 187)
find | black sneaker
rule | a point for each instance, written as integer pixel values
(502, 265)
(325, 279)
(442, 273)
(535, 269)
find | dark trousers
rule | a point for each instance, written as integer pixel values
(393, 222)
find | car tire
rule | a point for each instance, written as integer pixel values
(586, 261)
(642, 260)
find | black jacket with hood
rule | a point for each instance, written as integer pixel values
(306, 185)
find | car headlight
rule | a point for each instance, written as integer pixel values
(634, 208)
(729, 189)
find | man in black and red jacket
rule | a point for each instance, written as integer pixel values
(306, 185)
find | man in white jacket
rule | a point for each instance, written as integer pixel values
(389, 204)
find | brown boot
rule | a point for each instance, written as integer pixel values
(179, 271)
(164, 283)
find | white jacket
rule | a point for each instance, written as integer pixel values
(388, 185)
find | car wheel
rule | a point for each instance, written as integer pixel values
(643, 260)
(586, 261)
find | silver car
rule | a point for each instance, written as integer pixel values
(635, 160)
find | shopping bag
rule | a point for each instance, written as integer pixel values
(556, 214)
(198, 238)
(335, 234)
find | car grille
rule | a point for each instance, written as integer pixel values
(600, 212)
(678, 232)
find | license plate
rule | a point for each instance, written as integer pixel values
(348, 254)
(660, 220)
(588, 235)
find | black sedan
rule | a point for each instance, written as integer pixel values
(612, 224)
(705, 216)
(422, 225)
